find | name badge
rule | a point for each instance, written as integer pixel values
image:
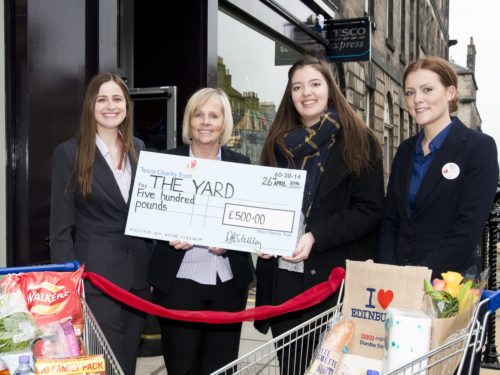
(450, 171)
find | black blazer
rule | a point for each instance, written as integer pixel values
(344, 220)
(92, 231)
(167, 260)
(450, 213)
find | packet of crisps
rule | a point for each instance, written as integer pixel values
(50, 296)
(87, 365)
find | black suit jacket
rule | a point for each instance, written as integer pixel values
(344, 220)
(450, 213)
(92, 231)
(167, 260)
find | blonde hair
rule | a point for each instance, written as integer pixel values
(198, 99)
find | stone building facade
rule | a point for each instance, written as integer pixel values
(467, 88)
(153, 48)
(402, 31)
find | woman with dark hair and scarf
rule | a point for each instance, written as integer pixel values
(316, 129)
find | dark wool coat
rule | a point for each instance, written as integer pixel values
(344, 220)
(93, 231)
(450, 213)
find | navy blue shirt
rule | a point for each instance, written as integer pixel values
(421, 163)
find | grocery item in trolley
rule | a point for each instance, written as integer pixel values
(17, 326)
(86, 365)
(58, 340)
(50, 296)
(407, 336)
(370, 289)
(450, 302)
(56, 299)
(331, 347)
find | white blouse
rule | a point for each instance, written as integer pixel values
(202, 266)
(123, 176)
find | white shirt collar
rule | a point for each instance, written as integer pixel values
(219, 157)
(101, 145)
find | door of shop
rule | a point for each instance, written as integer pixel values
(53, 49)
(155, 116)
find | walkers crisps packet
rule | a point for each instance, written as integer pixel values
(50, 296)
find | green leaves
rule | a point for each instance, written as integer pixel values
(465, 296)
(444, 304)
(17, 330)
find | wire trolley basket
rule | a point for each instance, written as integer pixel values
(458, 354)
(280, 355)
(296, 344)
(94, 340)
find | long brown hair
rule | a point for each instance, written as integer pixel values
(356, 134)
(85, 154)
(447, 75)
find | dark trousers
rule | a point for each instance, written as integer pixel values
(297, 349)
(200, 348)
(122, 326)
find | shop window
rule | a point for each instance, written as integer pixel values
(388, 110)
(387, 151)
(388, 135)
(370, 11)
(370, 108)
(403, 33)
(401, 125)
(390, 24)
(252, 70)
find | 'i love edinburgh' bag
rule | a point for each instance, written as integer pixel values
(370, 289)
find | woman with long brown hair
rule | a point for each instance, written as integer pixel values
(316, 129)
(92, 176)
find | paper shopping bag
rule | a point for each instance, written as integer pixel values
(443, 330)
(370, 289)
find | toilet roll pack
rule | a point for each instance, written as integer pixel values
(407, 337)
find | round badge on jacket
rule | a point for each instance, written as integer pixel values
(450, 171)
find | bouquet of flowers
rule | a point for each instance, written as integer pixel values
(454, 294)
(450, 302)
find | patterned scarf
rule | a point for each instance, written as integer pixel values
(309, 148)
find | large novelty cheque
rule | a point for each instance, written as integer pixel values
(213, 203)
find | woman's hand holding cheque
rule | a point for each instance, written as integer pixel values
(300, 253)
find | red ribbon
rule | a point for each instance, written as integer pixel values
(310, 297)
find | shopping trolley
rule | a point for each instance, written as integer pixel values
(305, 337)
(459, 352)
(93, 339)
(302, 339)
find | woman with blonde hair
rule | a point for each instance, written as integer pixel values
(187, 276)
